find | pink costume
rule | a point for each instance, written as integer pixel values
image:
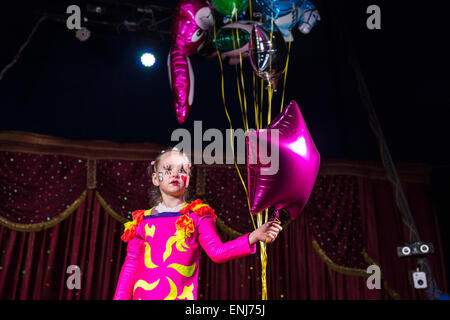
(164, 250)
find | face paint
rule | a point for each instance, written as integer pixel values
(184, 178)
(167, 170)
(160, 176)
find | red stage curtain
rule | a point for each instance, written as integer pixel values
(34, 264)
(384, 231)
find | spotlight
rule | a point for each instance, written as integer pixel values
(83, 34)
(148, 59)
(95, 9)
(415, 249)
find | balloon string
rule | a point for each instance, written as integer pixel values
(269, 116)
(287, 64)
(285, 76)
(263, 246)
(237, 84)
(255, 103)
(262, 96)
(240, 97)
(270, 95)
(231, 127)
(269, 80)
(262, 102)
(242, 79)
(255, 100)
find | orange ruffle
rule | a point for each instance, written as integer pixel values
(205, 210)
(138, 215)
(190, 207)
(131, 227)
(185, 224)
(200, 210)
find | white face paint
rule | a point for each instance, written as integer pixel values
(160, 176)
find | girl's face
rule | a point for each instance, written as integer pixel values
(172, 176)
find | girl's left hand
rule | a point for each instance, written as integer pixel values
(267, 232)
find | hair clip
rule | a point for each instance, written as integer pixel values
(152, 163)
(175, 149)
(163, 151)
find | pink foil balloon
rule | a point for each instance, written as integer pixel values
(290, 186)
(191, 22)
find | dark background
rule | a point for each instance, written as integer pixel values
(97, 90)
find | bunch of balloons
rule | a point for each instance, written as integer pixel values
(218, 26)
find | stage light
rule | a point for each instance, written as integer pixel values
(148, 59)
(83, 34)
(95, 9)
(415, 249)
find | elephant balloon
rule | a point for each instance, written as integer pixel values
(288, 13)
(191, 22)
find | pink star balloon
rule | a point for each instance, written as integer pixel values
(286, 181)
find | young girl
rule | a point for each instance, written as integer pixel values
(164, 242)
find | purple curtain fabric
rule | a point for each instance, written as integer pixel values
(36, 188)
(346, 214)
(335, 220)
(124, 185)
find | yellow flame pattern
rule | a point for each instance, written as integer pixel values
(173, 290)
(148, 257)
(150, 231)
(181, 245)
(187, 293)
(145, 285)
(186, 271)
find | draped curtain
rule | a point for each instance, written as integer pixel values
(64, 203)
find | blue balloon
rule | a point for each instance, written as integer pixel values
(288, 13)
(275, 8)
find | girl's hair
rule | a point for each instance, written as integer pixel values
(154, 192)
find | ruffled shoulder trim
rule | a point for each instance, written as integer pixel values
(131, 226)
(199, 208)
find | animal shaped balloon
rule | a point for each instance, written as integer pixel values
(288, 13)
(230, 8)
(191, 22)
(286, 179)
(232, 40)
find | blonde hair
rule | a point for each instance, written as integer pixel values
(154, 192)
